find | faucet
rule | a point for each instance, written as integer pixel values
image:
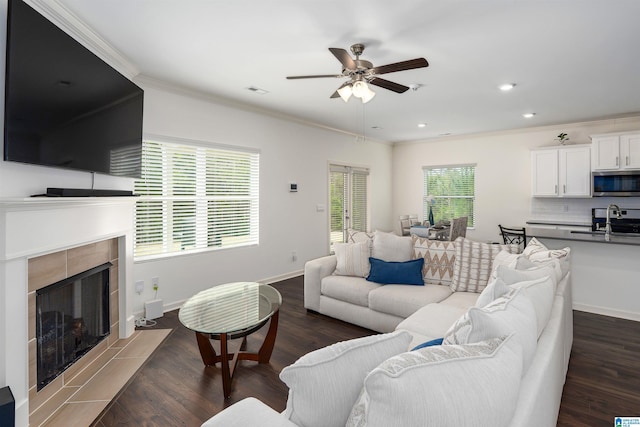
(607, 229)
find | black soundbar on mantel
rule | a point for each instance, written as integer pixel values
(85, 192)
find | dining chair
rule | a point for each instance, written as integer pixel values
(514, 235)
(458, 228)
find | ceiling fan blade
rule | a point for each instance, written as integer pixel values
(317, 76)
(401, 66)
(396, 87)
(344, 57)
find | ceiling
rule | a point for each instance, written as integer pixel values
(571, 60)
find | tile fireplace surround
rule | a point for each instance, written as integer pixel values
(45, 228)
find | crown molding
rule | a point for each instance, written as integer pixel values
(68, 22)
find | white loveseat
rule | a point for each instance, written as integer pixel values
(503, 362)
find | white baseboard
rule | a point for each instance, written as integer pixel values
(629, 315)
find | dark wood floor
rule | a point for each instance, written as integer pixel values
(175, 389)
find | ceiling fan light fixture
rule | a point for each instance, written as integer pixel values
(345, 92)
(368, 95)
(359, 89)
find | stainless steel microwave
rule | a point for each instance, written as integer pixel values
(616, 183)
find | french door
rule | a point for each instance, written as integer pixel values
(348, 201)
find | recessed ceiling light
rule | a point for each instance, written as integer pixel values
(528, 115)
(507, 87)
(257, 90)
(422, 125)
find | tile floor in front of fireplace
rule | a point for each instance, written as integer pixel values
(91, 391)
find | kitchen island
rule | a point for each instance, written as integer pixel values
(605, 275)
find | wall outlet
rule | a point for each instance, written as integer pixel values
(139, 286)
(155, 283)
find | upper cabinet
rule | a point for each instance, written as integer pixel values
(615, 151)
(561, 171)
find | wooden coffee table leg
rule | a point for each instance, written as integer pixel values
(208, 354)
(264, 354)
(226, 373)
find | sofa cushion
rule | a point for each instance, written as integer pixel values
(512, 312)
(391, 247)
(431, 321)
(461, 299)
(472, 266)
(525, 263)
(404, 273)
(324, 384)
(439, 257)
(459, 385)
(403, 300)
(354, 290)
(352, 259)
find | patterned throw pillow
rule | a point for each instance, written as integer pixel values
(455, 385)
(473, 264)
(536, 251)
(352, 259)
(439, 257)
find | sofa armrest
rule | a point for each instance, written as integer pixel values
(314, 271)
(248, 412)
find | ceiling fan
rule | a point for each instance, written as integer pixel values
(361, 72)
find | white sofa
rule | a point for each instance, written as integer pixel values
(529, 386)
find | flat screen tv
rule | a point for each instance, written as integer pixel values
(64, 106)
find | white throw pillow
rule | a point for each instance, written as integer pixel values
(524, 264)
(539, 253)
(356, 236)
(352, 259)
(512, 312)
(472, 266)
(494, 290)
(324, 384)
(503, 258)
(540, 293)
(391, 247)
(457, 385)
(536, 271)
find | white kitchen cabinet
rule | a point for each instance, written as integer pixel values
(616, 151)
(561, 171)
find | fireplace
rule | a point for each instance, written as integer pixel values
(72, 317)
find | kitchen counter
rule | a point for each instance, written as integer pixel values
(581, 236)
(534, 222)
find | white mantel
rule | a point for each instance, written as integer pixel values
(37, 226)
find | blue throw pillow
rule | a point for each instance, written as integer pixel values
(405, 273)
(437, 341)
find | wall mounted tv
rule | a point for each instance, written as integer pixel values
(64, 106)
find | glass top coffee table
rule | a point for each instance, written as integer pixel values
(231, 311)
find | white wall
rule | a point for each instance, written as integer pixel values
(503, 174)
(289, 152)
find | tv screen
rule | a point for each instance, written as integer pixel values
(64, 106)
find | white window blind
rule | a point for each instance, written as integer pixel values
(194, 198)
(348, 193)
(453, 189)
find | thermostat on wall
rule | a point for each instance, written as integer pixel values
(293, 187)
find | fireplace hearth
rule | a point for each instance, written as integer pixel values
(72, 317)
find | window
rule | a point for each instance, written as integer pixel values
(194, 198)
(453, 189)
(348, 194)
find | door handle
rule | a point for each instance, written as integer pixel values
(556, 189)
(617, 161)
(564, 189)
